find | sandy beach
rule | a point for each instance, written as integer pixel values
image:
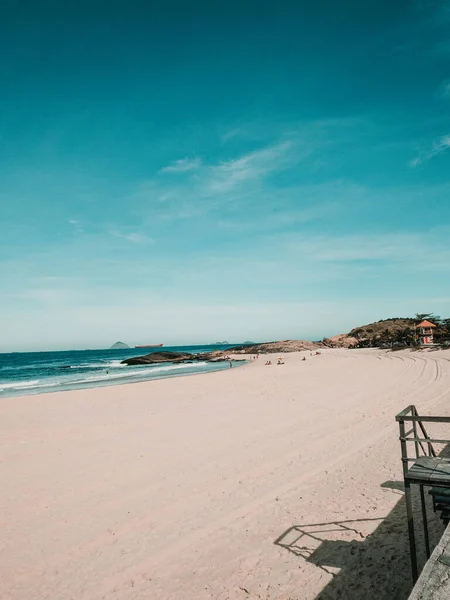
(270, 483)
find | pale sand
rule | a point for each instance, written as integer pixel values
(178, 488)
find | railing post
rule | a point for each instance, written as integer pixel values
(416, 443)
(409, 509)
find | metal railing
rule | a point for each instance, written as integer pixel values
(423, 446)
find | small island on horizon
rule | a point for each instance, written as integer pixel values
(119, 346)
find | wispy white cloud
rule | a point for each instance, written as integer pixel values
(251, 166)
(230, 134)
(400, 251)
(437, 148)
(241, 180)
(101, 231)
(133, 237)
(264, 222)
(227, 174)
(77, 225)
(183, 165)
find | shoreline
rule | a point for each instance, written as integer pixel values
(194, 488)
(106, 383)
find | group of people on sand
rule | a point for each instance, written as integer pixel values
(280, 361)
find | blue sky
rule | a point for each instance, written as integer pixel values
(189, 172)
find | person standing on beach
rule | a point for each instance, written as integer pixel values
(231, 364)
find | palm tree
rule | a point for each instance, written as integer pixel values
(423, 316)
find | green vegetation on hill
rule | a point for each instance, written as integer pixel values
(399, 332)
(442, 333)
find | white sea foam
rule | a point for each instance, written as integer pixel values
(18, 384)
(27, 367)
(141, 373)
(111, 364)
(41, 385)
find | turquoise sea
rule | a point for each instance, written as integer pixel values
(23, 373)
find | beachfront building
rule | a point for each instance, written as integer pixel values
(425, 332)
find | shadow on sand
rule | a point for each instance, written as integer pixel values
(364, 563)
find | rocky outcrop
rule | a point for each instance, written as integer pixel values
(157, 357)
(175, 357)
(342, 340)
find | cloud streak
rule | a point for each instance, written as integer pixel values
(222, 185)
(133, 237)
(438, 147)
(250, 167)
(183, 165)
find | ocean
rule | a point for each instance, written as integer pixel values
(23, 373)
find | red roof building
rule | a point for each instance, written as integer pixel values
(426, 324)
(426, 332)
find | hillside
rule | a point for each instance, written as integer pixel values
(386, 331)
(382, 328)
(396, 332)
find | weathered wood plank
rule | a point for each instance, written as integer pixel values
(434, 581)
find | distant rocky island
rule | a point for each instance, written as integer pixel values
(119, 346)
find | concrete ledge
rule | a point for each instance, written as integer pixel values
(434, 581)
